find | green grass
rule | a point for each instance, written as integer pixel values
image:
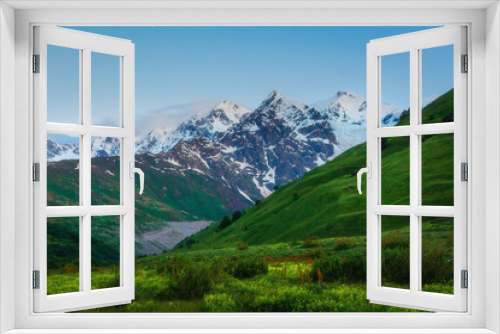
(312, 275)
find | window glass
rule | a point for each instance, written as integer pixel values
(437, 254)
(437, 81)
(395, 252)
(105, 90)
(63, 170)
(105, 171)
(437, 170)
(395, 87)
(395, 170)
(63, 255)
(63, 85)
(105, 252)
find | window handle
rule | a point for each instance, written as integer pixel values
(368, 171)
(139, 171)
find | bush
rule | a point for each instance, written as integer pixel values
(257, 201)
(237, 215)
(194, 280)
(396, 259)
(242, 246)
(225, 222)
(310, 242)
(347, 267)
(220, 303)
(247, 268)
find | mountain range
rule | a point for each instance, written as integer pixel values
(247, 154)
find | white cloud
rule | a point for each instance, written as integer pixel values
(429, 99)
(171, 116)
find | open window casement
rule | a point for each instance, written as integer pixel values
(84, 215)
(413, 132)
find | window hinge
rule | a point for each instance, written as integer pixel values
(465, 64)
(465, 279)
(36, 63)
(464, 170)
(36, 172)
(36, 279)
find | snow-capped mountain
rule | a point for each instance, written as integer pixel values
(249, 152)
(58, 152)
(277, 143)
(218, 120)
(101, 147)
(105, 147)
(350, 107)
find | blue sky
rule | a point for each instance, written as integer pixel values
(181, 70)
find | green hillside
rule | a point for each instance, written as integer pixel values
(324, 203)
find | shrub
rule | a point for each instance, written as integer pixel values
(310, 242)
(225, 222)
(276, 187)
(242, 246)
(396, 259)
(346, 267)
(237, 215)
(437, 267)
(220, 303)
(257, 201)
(194, 280)
(247, 268)
(342, 244)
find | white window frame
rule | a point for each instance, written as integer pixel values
(484, 308)
(413, 44)
(86, 44)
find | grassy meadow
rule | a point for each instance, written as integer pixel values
(302, 249)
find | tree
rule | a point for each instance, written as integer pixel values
(237, 215)
(225, 222)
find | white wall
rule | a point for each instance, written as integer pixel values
(492, 165)
(7, 160)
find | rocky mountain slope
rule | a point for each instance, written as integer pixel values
(277, 143)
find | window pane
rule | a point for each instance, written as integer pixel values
(63, 170)
(437, 255)
(105, 89)
(395, 169)
(395, 89)
(63, 255)
(63, 85)
(105, 171)
(396, 251)
(437, 85)
(105, 252)
(437, 170)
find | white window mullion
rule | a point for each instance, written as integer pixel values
(373, 184)
(127, 239)
(415, 171)
(86, 162)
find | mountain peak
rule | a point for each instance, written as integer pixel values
(228, 110)
(348, 94)
(273, 96)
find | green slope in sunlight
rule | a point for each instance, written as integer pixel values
(325, 202)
